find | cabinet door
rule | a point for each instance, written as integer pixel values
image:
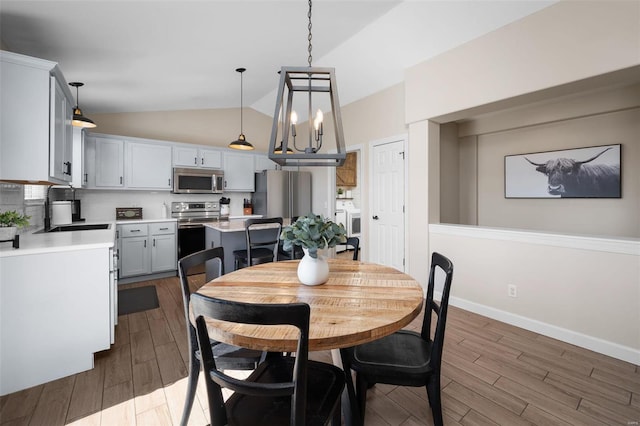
(89, 178)
(239, 172)
(263, 163)
(163, 253)
(78, 174)
(61, 134)
(148, 166)
(134, 256)
(185, 156)
(109, 162)
(210, 158)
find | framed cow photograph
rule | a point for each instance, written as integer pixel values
(591, 172)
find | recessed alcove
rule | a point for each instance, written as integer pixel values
(602, 110)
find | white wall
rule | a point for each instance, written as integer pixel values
(538, 57)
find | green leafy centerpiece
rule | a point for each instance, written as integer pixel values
(313, 232)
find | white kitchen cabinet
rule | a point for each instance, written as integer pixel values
(35, 121)
(148, 166)
(147, 248)
(89, 160)
(79, 176)
(164, 250)
(61, 144)
(263, 163)
(109, 162)
(187, 156)
(239, 172)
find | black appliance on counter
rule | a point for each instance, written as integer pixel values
(191, 232)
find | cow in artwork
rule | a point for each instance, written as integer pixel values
(570, 178)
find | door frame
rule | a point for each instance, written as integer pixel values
(404, 138)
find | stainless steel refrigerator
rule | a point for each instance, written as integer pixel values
(282, 193)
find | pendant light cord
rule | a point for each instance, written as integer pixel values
(241, 105)
(309, 37)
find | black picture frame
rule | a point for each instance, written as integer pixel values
(588, 172)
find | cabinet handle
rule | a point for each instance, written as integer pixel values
(145, 243)
(154, 242)
(86, 177)
(202, 161)
(135, 230)
(120, 180)
(164, 229)
(169, 182)
(67, 165)
(195, 160)
(225, 183)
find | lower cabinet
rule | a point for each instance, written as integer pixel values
(147, 248)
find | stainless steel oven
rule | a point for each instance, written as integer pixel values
(197, 181)
(191, 230)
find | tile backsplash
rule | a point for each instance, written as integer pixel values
(12, 198)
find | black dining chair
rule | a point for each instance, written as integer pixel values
(262, 244)
(355, 243)
(407, 358)
(227, 356)
(282, 390)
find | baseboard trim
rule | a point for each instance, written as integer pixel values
(595, 344)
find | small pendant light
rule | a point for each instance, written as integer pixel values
(241, 142)
(80, 120)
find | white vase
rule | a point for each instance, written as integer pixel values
(7, 232)
(313, 271)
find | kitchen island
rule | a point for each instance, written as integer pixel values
(58, 305)
(231, 236)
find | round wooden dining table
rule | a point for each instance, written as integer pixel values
(359, 303)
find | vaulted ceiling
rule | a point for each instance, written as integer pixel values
(176, 55)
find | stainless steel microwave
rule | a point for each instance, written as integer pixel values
(197, 181)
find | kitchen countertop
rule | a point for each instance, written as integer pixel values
(128, 221)
(61, 241)
(236, 225)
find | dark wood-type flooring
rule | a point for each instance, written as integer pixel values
(493, 373)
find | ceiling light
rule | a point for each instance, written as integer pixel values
(80, 120)
(316, 85)
(241, 142)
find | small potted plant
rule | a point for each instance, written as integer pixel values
(312, 232)
(10, 221)
(340, 193)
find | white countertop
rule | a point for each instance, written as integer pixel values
(50, 242)
(237, 225)
(126, 221)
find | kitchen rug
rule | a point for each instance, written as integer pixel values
(137, 299)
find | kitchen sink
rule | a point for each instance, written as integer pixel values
(67, 228)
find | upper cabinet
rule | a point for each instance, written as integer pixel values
(109, 163)
(36, 135)
(148, 166)
(239, 172)
(263, 163)
(190, 156)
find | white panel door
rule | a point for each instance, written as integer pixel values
(386, 230)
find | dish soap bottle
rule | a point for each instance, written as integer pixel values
(164, 213)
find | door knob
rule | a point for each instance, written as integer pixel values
(375, 217)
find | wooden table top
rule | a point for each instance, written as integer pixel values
(359, 303)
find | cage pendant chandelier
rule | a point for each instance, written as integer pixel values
(309, 88)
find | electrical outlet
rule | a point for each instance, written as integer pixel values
(512, 291)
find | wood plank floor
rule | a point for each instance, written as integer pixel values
(493, 373)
